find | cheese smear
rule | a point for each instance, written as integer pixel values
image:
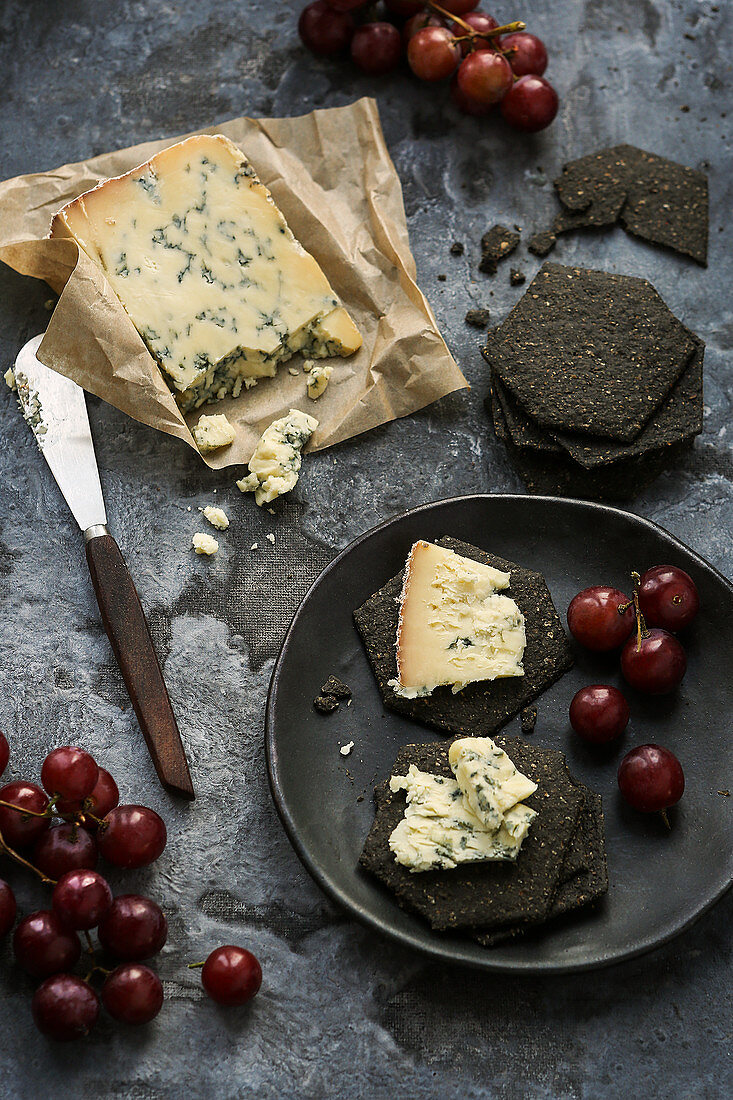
(455, 628)
(208, 269)
(441, 829)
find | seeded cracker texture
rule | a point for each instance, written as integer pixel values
(678, 419)
(653, 198)
(496, 245)
(590, 352)
(485, 895)
(482, 708)
(583, 878)
(337, 688)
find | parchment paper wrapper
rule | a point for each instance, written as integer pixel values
(332, 177)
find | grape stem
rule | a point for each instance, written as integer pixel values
(48, 812)
(5, 847)
(665, 819)
(508, 28)
(195, 966)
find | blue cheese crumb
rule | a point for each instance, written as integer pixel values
(217, 517)
(204, 544)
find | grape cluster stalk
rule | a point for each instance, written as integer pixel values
(489, 65)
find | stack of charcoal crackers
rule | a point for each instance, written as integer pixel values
(596, 387)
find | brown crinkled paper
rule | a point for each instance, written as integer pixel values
(332, 177)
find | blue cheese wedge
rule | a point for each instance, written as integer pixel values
(440, 830)
(208, 269)
(455, 628)
(275, 464)
(318, 378)
(488, 779)
(212, 432)
(204, 544)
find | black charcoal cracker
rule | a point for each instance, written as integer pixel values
(478, 318)
(583, 880)
(653, 198)
(542, 243)
(523, 432)
(678, 419)
(590, 352)
(482, 894)
(553, 475)
(481, 708)
(337, 688)
(498, 243)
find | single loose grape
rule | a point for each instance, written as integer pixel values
(651, 778)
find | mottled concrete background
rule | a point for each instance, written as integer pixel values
(342, 1013)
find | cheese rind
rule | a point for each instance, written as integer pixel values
(454, 626)
(276, 462)
(440, 830)
(208, 269)
(488, 779)
(212, 432)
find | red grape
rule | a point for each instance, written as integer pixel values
(103, 798)
(133, 994)
(43, 946)
(668, 597)
(599, 713)
(478, 21)
(432, 54)
(323, 30)
(595, 621)
(654, 664)
(65, 1007)
(231, 975)
(105, 795)
(65, 848)
(8, 908)
(4, 752)
(69, 772)
(465, 103)
(376, 48)
(404, 8)
(651, 778)
(81, 898)
(133, 928)
(18, 831)
(484, 77)
(530, 105)
(459, 7)
(346, 5)
(529, 55)
(418, 22)
(132, 836)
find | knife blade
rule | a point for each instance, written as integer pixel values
(55, 409)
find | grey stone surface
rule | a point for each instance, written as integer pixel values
(342, 1013)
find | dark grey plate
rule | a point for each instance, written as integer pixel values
(660, 882)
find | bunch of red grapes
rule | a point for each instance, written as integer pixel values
(130, 928)
(488, 64)
(653, 661)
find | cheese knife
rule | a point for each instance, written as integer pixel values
(55, 409)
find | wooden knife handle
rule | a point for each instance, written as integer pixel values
(127, 629)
